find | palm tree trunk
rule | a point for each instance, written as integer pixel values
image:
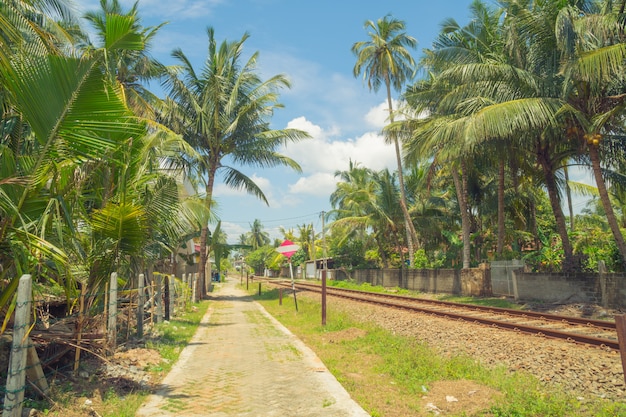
(381, 250)
(501, 222)
(465, 219)
(411, 234)
(200, 292)
(568, 191)
(555, 203)
(606, 202)
(201, 287)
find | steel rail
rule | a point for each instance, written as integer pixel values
(532, 330)
(602, 324)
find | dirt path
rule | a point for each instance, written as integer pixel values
(242, 362)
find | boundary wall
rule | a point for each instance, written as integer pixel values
(605, 289)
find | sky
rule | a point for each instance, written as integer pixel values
(310, 43)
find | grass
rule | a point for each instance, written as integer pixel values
(169, 339)
(388, 374)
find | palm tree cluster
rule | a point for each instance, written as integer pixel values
(504, 105)
(98, 174)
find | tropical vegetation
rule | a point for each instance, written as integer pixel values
(504, 107)
(488, 127)
(97, 173)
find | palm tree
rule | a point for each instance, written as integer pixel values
(385, 59)
(257, 236)
(594, 55)
(478, 42)
(366, 201)
(514, 98)
(73, 118)
(305, 239)
(127, 59)
(35, 26)
(82, 184)
(223, 113)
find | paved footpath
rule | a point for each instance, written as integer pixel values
(242, 362)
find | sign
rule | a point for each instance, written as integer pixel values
(288, 248)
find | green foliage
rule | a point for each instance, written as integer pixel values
(549, 258)
(264, 257)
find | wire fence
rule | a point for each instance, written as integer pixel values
(123, 314)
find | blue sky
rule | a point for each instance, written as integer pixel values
(310, 42)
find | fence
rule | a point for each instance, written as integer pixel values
(161, 297)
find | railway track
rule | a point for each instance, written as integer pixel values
(584, 331)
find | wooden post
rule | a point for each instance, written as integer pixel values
(79, 330)
(152, 300)
(183, 293)
(193, 287)
(166, 296)
(105, 313)
(34, 371)
(112, 326)
(620, 325)
(172, 295)
(140, 302)
(16, 374)
(280, 296)
(158, 298)
(323, 297)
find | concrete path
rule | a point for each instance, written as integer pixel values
(242, 362)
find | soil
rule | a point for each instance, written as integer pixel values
(127, 371)
(456, 397)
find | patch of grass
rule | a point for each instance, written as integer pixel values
(169, 339)
(122, 406)
(388, 374)
(371, 288)
(489, 301)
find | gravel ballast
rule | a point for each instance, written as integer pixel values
(583, 371)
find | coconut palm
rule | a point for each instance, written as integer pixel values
(126, 45)
(34, 26)
(73, 117)
(366, 201)
(257, 236)
(384, 59)
(594, 46)
(223, 112)
(478, 42)
(514, 98)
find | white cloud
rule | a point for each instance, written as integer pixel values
(323, 154)
(320, 184)
(233, 231)
(222, 189)
(378, 117)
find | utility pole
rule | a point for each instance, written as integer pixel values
(313, 253)
(324, 272)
